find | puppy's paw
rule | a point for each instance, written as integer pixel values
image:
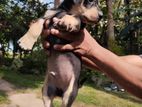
(68, 23)
(28, 40)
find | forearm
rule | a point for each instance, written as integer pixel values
(133, 59)
(126, 74)
(90, 64)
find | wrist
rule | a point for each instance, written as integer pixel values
(93, 49)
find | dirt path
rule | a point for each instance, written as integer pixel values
(25, 100)
(19, 99)
(6, 86)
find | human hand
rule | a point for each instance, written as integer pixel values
(44, 35)
(81, 43)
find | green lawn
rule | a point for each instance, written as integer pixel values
(3, 97)
(88, 95)
(101, 98)
(22, 80)
(92, 97)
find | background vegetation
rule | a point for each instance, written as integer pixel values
(120, 31)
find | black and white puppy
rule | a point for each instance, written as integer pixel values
(63, 68)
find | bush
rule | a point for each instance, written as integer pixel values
(114, 47)
(16, 64)
(7, 61)
(35, 63)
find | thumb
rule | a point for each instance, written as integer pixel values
(67, 47)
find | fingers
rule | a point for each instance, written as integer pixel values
(67, 47)
(56, 20)
(46, 46)
(45, 31)
(56, 32)
(46, 23)
(65, 35)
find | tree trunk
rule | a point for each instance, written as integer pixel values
(56, 3)
(1, 58)
(127, 2)
(127, 22)
(110, 25)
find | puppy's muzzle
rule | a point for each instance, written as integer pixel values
(92, 19)
(100, 15)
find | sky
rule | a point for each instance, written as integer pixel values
(46, 1)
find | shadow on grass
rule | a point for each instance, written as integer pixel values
(3, 97)
(123, 95)
(21, 81)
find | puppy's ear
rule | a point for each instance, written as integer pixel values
(77, 1)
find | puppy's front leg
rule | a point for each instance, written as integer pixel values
(68, 23)
(27, 41)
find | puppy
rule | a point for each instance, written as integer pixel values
(63, 68)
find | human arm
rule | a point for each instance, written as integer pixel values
(128, 75)
(133, 59)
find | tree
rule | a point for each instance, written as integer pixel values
(56, 3)
(110, 25)
(12, 28)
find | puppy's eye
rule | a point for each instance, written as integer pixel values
(90, 0)
(77, 1)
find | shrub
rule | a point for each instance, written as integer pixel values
(34, 63)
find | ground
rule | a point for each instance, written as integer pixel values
(19, 90)
(19, 99)
(29, 99)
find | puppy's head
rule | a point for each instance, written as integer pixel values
(88, 10)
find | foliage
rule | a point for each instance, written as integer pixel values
(127, 24)
(15, 18)
(118, 49)
(16, 64)
(35, 63)
(3, 98)
(20, 80)
(7, 61)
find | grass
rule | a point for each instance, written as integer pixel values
(3, 98)
(101, 98)
(21, 80)
(88, 95)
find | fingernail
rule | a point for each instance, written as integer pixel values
(55, 47)
(55, 19)
(47, 44)
(54, 31)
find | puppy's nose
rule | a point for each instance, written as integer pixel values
(100, 15)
